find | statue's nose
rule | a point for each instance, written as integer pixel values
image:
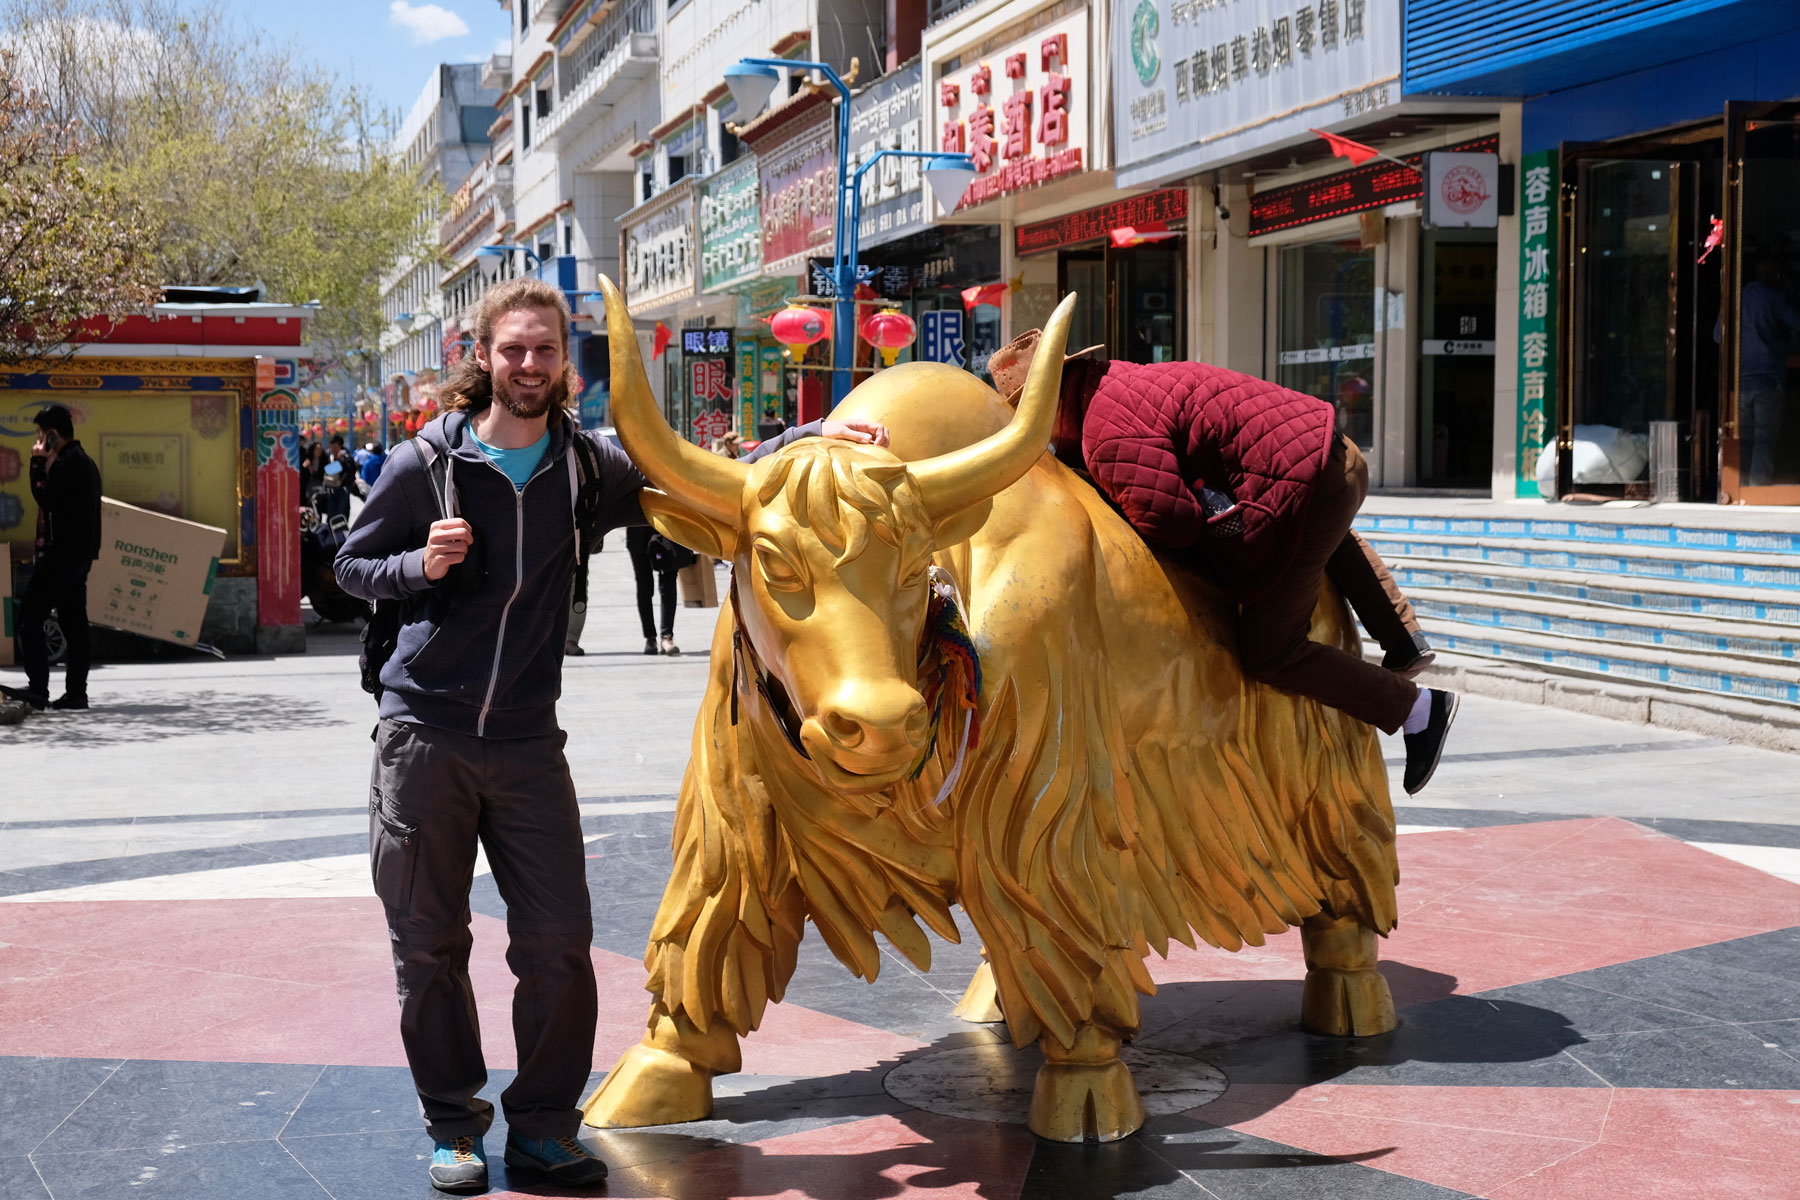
(876, 718)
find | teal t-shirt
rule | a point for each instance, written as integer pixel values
(518, 464)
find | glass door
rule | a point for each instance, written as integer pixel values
(1643, 314)
(1456, 365)
(1327, 331)
(1148, 321)
(1083, 272)
(1759, 326)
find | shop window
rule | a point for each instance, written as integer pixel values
(1326, 342)
(678, 167)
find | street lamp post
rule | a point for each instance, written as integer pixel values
(752, 81)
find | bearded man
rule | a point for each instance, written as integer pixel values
(468, 748)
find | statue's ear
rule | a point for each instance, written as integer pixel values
(697, 531)
(961, 527)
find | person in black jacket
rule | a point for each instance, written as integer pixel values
(469, 749)
(66, 485)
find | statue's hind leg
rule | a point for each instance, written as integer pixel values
(1345, 995)
(1084, 1093)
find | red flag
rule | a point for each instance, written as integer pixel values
(1713, 239)
(1137, 235)
(663, 334)
(1343, 147)
(987, 293)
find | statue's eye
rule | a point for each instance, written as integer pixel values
(780, 572)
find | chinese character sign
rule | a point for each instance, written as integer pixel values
(1214, 80)
(1538, 197)
(730, 229)
(1019, 110)
(941, 337)
(659, 252)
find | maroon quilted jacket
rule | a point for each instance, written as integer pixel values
(1152, 434)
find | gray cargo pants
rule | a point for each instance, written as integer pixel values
(432, 795)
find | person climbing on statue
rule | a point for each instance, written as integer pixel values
(1251, 483)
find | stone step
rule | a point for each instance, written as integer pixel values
(1763, 572)
(1660, 596)
(1626, 534)
(1708, 674)
(1751, 641)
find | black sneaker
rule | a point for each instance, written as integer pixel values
(68, 701)
(650, 646)
(37, 701)
(1411, 662)
(459, 1165)
(563, 1159)
(1424, 748)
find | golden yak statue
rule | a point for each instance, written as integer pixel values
(1118, 783)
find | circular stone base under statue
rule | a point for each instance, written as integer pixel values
(993, 1082)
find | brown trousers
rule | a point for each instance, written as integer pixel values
(1272, 633)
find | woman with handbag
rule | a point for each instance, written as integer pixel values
(655, 560)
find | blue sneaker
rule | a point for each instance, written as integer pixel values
(563, 1159)
(459, 1165)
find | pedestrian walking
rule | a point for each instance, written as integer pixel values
(474, 531)
(655, 562)
(65, 483)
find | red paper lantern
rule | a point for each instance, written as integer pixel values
(889, 331)
(797, 327)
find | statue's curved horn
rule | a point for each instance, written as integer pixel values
(953, 482)
(709, 483)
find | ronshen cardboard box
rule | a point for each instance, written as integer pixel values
(154, 573)
(8, 627)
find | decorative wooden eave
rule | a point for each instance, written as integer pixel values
(544, 220)
(791, 42)
(576, 13)
(526, 77)
(717, 94)
(641, 149)
(500, 125)
(685, 117)
(771, 125)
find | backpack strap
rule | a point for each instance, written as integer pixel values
(584, 494)
(439, 472)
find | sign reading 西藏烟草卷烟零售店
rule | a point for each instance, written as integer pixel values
(1199, 82)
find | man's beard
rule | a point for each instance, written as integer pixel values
(554, 396)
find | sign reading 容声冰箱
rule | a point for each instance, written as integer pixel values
(1537, 311)
(1200, 82)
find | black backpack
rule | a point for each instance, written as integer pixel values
(381, 632)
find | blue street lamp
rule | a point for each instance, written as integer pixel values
(752, 82)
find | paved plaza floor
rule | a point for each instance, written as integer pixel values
(1597, 967)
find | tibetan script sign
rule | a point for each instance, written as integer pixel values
(799, 199)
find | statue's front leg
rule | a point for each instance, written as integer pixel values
(1344, 994)
(1083, 1092)
(667, 1077)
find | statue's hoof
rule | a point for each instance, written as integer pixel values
(1343, 1003)
(1072, 1103)
(650, 1087)
(981, 1002)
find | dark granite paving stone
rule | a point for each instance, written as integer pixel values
(1597, 1013)
(1723, 1057)
(157, 1106)
(1460, 1041)
(234, 1170)
(1230, 1165)
(1131, 1167)
(359, 1100)
(389, 1165)
(19, 1180)
(37, 1093)
(1740, 833)
(1745, 979)
(176, 862)
(739, 1120)
(1470, 818)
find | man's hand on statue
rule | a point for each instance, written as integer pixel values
(447, 545)
(856, 429)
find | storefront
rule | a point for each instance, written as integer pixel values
(1019, 90)
(797, 172)
(657, 259)
(1326, 279)
(1658, 245)
(1126, 263)
(906, 262)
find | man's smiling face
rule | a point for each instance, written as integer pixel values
(525, 361)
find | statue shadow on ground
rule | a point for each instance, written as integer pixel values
(155, 716)
(1249, 1029)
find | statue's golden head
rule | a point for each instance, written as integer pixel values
(831, 542)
